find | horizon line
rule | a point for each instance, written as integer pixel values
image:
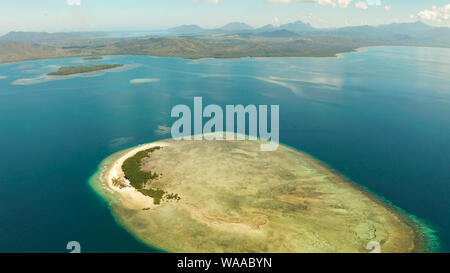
(214, 28)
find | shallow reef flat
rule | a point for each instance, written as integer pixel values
(236, 198)
(71, 70)
(46, 77)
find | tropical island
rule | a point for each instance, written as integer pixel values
(228, 196)
(70, 70)
(93, 58)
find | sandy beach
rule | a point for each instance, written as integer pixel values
(130, 197)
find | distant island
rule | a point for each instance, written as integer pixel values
(70, 70)
(93, 58)
(234, 40)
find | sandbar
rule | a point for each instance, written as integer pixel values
(142, 81)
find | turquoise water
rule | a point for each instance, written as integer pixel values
(381, 117)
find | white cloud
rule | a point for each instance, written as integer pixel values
(361, 5)
(344, 3)
(387, 8)
(435, 14)
(74, 2)
(276, 22)
(374, 2)
(331, 3)
(210, 1)
(326, 3)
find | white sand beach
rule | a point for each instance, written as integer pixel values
(130, 197)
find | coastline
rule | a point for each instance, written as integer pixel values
(132, 198)
(337, 55)
(424, 240)
(167, 56)
(97, 184)
(48, 78)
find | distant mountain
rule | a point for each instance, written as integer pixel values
(396, 33)
(282, 33)
(240, 41)
(268, 27)
(412, 29)
(298, 26)
(186, 29)
(233, 40)
(236, 26)
(419, 30)
(440, 34)
(45, 37)
(361, 31)
(368, 33)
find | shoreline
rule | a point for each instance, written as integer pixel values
(337, 55)
(132, 198)
(98, 185)
(424, 240)
(62, 70)
(42, 78)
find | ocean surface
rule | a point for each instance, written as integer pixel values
(381, 117)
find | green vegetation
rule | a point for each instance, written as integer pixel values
(93, 58)
(133, 172)
(294, 40)
(119, 182)
(173, 196)
(70, 70)
(139, 178)
(156, 194)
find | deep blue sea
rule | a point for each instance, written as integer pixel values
(380, 117)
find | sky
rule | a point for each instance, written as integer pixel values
(146, 15)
